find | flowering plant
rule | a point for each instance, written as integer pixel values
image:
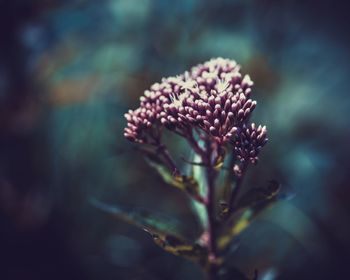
(210, 107)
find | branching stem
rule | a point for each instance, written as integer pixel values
(194, 144)
(237, 188)
(164, 152)
(168, 158)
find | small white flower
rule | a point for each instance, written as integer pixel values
(222, 85)
(247, 81)
(188, 83)
(203, 94)
(178, 99)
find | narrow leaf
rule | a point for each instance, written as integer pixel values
(258, 195)
(182, 182)
(236, 225)
(156, 223)
(178, 247)
(248, 208)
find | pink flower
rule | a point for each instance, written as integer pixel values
(213, 98)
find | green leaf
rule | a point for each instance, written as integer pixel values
(248, 208)
(166, 232)
(182, 182)
(178, 247)
(297, 224)
(148, 220)
(190, 185)
(259, 195)
(219, 162)
(239, 222)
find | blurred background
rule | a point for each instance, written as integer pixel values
(69, 70)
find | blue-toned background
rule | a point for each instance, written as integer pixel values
(69, 70)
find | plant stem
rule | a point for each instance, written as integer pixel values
(237, 188)
(168, 158)
(210, 208)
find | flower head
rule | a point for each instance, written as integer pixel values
(142, 122)
(221, 103)
(249, 141)
(212, 97)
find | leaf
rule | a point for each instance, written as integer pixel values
(166, 232)
(237, 224)
(190, 185)
(153, 222)
(156, 164)
(297, 224)
(258, 195)
(219, 163)
(182, 182)
(248, 208)
(178, 247)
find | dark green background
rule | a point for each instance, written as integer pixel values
(69, 70)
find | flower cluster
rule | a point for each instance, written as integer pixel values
(147, 116)
(213, 97)
(249, 142)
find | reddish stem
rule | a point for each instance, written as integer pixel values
(168, 158)
(211, 213)
(237, 188)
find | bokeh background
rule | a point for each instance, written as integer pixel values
(69, 70)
